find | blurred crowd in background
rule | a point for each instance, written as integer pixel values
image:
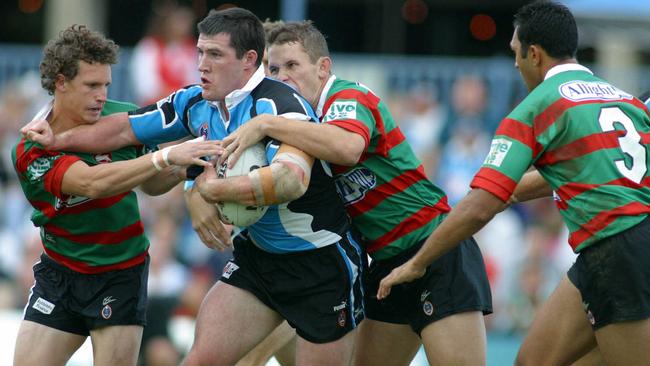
(525, 247)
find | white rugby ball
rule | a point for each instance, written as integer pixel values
(235, 213)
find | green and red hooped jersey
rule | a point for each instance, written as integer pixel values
(392, 203)
(86, 235)
(589, 140)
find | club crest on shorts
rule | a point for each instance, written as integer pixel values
(229, 269)
(342, 317)
(427, 307)
(107, 311)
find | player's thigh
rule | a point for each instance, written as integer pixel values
(338, 352)
(382, 343)
(625, 343)
(231, 321)
(282, 336)
(458, 339)
(116, 345)
(37, 344)
(560, 333)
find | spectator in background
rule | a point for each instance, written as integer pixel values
(165, 59)
(422, 123)
(465, 140)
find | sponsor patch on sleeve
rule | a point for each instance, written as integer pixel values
(498, 152)
(39, 167)
(341, 110)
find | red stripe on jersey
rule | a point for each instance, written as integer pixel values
(53, 179)
(378, 194)
(494, 182)
(520, 132)
(354, 126)
(24, 158)
(582, 146)
(548, 116)
(86, 269)
(603, 219)
(50, 211)
(570, 190)
(371, 102)
(410, 224)
(100, 237)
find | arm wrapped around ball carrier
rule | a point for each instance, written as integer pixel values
(284, 180)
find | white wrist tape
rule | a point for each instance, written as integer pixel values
(154, 161)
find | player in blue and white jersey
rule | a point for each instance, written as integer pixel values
(301, 264)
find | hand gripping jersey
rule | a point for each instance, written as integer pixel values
(316, 219)
(392, 203)
(86, 235)
(589, 140)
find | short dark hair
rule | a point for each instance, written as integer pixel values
(302, 32)
(245, 29)
(549, 25)
(61, 55)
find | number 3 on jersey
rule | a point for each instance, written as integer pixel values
(630, 143)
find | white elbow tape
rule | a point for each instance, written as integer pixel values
(294, 159)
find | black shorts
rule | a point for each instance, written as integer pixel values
(613, 277)
(317, 291)
(455, 283)
(78, 303)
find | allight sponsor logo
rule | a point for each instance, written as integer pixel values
(595, 90)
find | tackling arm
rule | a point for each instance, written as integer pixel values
(284, 180)
(322, 141)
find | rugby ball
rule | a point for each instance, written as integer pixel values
(235, 213)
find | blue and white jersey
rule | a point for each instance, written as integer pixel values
(316, 219)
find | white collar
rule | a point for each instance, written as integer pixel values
(237, 95)
(565, 67)
(323, 96)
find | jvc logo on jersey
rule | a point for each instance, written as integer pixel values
(498, 151)
(341, 110)
(577, 90)
(352, 186)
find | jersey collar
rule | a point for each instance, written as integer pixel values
(565, 67)
(234, 97)
(323, 96)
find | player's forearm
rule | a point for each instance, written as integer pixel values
(322, 141)
(108, 134)
(105, 180)
(234, 189)
(162, 182)
(532, 186)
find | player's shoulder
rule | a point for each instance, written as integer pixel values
(115, 106)
(279, 97)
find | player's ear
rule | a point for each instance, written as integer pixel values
(59, 82)
(250, 58)
(324, 67)
(535, 53)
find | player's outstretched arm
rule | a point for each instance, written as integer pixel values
(284, 180)
(322, 141)
(108, 134)
(468, 217)
(105, 180)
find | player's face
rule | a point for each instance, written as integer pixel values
(524, 65)
(221, 70)
(291, 64)
(82, 98)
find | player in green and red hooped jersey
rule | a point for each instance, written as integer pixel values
(91, 279)
(392, 203)
(589, 143)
